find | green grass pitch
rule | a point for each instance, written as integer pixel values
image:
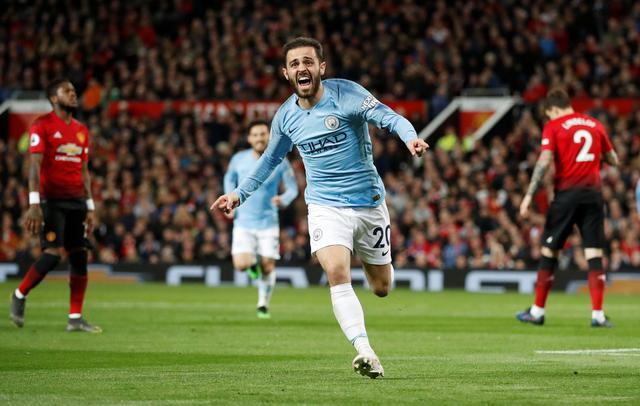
(196, 345)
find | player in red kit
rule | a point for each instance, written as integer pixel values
(576, 143)
(61, 209)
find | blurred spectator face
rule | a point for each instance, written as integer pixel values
(258, 138)
(304, 71)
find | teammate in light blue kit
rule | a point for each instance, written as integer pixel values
(328, 122)
(256, 229)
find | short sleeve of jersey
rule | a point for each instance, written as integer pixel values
(605, 142)
(85, 147)
(36, 138)
(548, 138)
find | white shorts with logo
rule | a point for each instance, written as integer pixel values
(365, 231)
(265, 242)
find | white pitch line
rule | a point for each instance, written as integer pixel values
(601, 351)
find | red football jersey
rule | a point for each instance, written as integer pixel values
(64, 147)
(577, 142)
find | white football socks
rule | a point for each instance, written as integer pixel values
(266, 283)
(348, 312)
(536, 311)
(598, 315)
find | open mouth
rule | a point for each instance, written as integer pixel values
(304, 81)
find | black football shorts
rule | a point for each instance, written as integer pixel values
(579, 206)
(63, 223)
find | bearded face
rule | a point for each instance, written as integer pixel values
(66, 97)
(304, 71)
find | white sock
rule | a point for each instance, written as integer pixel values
(266, 283)
(598, 315)
(19, 294)
(537, 311)
(75, 315)
(348, 312)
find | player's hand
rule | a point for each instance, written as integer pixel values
(277, 201)
(230, 214)
(34, 219)
(226, 203)
(417, 146)
(524, 206)
(90, 222)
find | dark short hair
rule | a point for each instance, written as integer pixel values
(556, 97)
(257, 122)
(303, 42)
(54, 85)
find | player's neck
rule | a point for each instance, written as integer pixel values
(63, 114)
(563, 112)
(256, 153)
(308, 102)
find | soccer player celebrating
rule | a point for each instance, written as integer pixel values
(61, 209)
(575, 143)
(256, 230)
(328, 120)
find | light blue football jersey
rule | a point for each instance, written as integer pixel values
(259, 212)
(333, 140)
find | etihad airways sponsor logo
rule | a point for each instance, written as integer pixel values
(323, 144)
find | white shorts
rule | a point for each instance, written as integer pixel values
(365, 231)
(265, 242)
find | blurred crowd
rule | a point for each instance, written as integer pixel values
(153, 180)
(190, 49)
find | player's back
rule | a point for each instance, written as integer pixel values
(577, 142)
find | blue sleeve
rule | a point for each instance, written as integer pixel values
(369, 109)
(279, 146)
(231, 177)
(290, 184)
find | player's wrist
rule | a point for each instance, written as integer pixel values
(91, 205)
(34, 198)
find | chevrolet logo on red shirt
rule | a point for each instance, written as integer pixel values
(69, 149)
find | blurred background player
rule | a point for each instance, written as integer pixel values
(61, 208)
(255, 243)
(575, 143)
(328, 122)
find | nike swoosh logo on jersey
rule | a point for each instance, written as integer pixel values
(291, 130)
(385, 252)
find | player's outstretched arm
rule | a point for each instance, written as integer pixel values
(542, 165)
(226, 203)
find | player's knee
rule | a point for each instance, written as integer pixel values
(242, 264)
(267, 267)
(381, 289)
(549, 252)
(46, 262)
(78, 260)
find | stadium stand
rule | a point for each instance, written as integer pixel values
(154, 179)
